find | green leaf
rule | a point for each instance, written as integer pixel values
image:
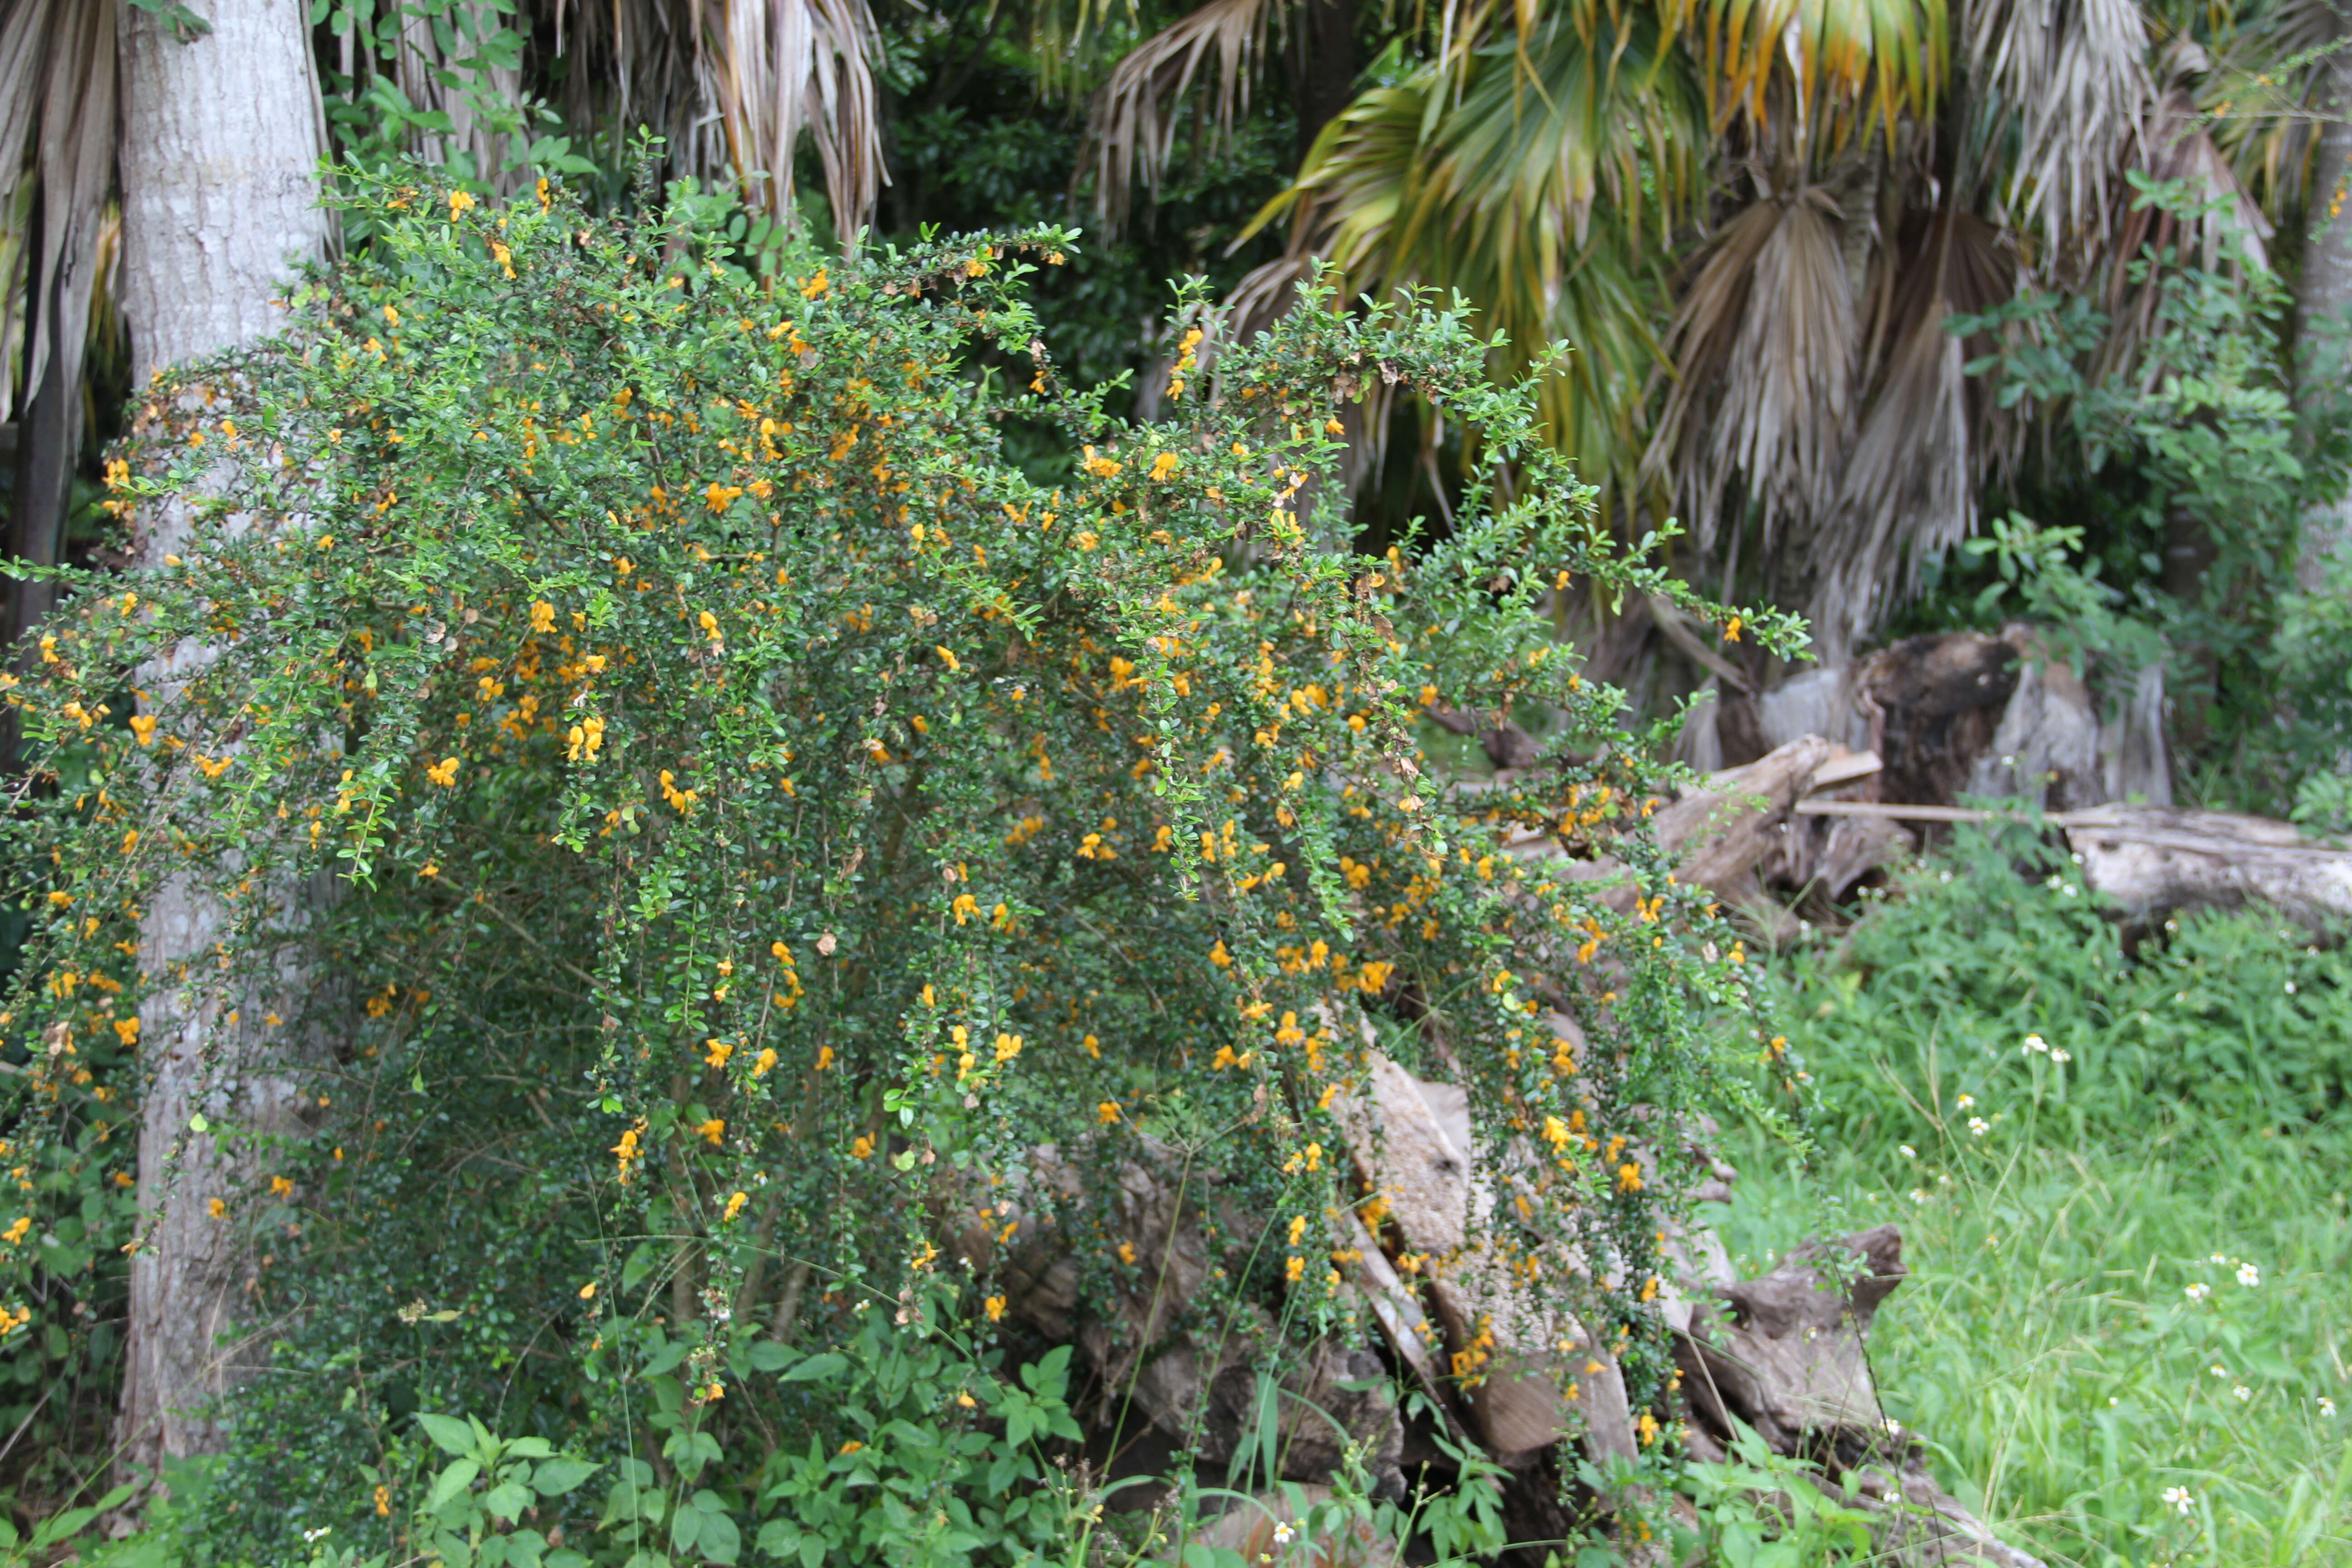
(451, 1483)
(825, 1363)
(449, 1435)
(506, 1501)
(721, 1540)
(561, 1475)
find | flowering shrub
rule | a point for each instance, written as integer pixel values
(765, 816)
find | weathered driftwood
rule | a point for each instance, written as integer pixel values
(1784, 1355)
(2155, 859)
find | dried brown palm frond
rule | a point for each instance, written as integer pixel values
(2060, 96)
(1131, 126)
(441, 68)
(731, 84)
(1909, 492)
(56, 125)
(1764, 344)
(782, 66)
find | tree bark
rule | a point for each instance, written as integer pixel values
(2324, 293)
(218, 164)
(1327, 73)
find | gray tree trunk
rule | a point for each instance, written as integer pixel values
(218, 159)
(2326, 294)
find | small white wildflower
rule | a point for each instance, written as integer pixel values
(2036, 1043)
(1919, 1196)
(2220, 1257)
(2327, 1408)
(2178, 1499)
(310, 1535)
(1908, 1153)
(2249, 1275)
(1966, 1102)
(2198, 1292)
(1979, 1127)
(1282, 1533)
(2242, 1394)
(2062, 1056)
(2217, 1370)
(2290, 987)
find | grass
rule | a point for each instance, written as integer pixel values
(2077, 1341)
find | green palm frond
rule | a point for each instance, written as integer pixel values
(1529, 189)
(1854, 62)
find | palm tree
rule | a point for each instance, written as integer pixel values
(1752, 220)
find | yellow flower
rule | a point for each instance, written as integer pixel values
(995, 1305)
(279, 1187)
(965, 907)
(862, 1148)
(1107, 1111)
(588, 1291)
(735, 1205)
(1219, 957)
(459, 201)
(143, 726)
(543, 616)
(815, 287)
(764, 1064)
(24, 1227)
(216, 1208)
(714, 1130)
(1629, 1178)
(715, 1052)
(1296, 1269)
(1163, 465)
(947, 656)
(383, 1494)
(823, 1057)
(1007, 1046)
(444, 772)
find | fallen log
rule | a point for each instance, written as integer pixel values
(2157, 860)
(2153, 860)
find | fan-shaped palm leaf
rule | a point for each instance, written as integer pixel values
(2062, 94)
(1851, 63)
(1131, 127)
(1764, 345)
(1527, 188)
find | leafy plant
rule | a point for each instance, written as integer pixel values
(791, 825)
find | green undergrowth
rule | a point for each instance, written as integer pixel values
(2118, 1159)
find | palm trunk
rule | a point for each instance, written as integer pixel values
(1326, 74)
(2326, 292)
(218, 162)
